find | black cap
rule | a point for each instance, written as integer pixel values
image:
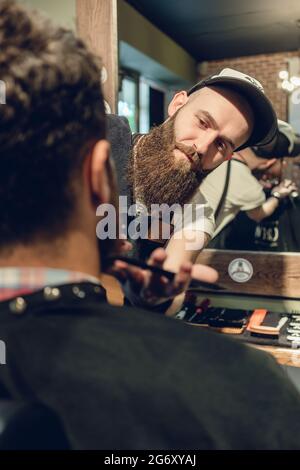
(265, 120)
(286, 143)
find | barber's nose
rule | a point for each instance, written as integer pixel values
(205, 141)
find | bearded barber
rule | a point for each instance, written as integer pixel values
(216, 117)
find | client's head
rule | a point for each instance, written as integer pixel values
(54, 160)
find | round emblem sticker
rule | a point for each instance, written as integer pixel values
(240, 270)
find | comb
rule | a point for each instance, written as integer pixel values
(162, 272)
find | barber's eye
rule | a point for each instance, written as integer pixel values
(222, 147)
(203, 123)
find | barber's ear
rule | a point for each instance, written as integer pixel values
(177, 102)
(267, 164)
(272, 162)
(99, 182)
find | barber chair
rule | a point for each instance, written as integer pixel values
(30, 426)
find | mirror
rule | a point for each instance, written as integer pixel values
(280, 232)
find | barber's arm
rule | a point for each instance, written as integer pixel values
(283, 190)
(180, 250)
(191, 234)
(186, 246)
(188, 240)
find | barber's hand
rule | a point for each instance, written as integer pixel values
(125, 246)
(285, 188)
(152, 288)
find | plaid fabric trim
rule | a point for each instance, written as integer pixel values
(20, 281)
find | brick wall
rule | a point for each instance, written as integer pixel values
(263, 67)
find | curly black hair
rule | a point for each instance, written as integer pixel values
(54, 110)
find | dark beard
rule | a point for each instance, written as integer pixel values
(161, 179)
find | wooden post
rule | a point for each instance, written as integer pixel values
(97, 26)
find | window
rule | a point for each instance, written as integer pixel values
(128, 104)
(144, 107)
(294, 110)
(140, 101)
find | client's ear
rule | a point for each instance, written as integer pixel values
(99, 182)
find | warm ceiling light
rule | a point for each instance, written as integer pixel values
(285, 84)
(289, 84)
(283, 74)
(295, 81)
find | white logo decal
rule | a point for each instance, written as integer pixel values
(103, 75)
(2, 353)
(240, 270)
(2, 92)
(242, 76)
(107, 107)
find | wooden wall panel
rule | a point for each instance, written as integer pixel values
(97, 26)
(274, 274)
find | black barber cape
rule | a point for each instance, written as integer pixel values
(122, 378)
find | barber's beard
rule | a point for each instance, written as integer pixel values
(157, 175)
